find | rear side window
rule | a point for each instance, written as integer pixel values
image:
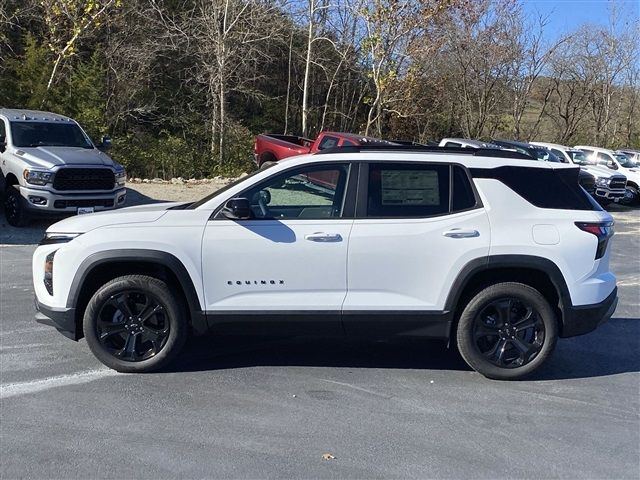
(328, 142)
(542, 187)
(407, 190)
(462, 197)
(452, 144)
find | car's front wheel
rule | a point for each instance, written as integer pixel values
(631, 196)
(507, 331)
(135, 323)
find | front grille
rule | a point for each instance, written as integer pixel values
(617, 182)
(84, 203)
(84, 179)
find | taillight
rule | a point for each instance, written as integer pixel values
(602, 230)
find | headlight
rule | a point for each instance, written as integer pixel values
(48, 272)
(36, 177)
(52, 237)
(121, 176)
(602, 182)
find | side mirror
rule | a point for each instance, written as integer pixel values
(105, 144)
(611, 164)
(237, 209)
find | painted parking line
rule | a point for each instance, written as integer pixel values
(34, 386)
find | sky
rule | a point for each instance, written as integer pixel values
(566, 15)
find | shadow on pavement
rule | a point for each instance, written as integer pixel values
(34, 231)
(610, 350)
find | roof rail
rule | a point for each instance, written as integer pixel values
(476, 152)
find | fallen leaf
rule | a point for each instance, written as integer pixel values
(328, 456)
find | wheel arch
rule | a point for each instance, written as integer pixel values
(99, 268)
(537, 272)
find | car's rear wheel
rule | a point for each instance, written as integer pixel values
(507, 331)
(14, 207)
(135, 324)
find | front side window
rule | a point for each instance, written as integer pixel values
(407, 190)
(40, 134)
(306, 193)
(3, 132)
(452, 144)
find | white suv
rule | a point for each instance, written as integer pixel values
(356, 241)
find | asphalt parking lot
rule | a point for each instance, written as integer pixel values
(272, 408)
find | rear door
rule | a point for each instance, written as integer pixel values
(417, 225)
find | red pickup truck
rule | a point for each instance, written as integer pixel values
(270, 148)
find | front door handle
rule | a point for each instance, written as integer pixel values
(323, 237)
(461, 233)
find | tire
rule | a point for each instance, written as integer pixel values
(492, 337)
(15, 209)
(141, 345)
(631, 196)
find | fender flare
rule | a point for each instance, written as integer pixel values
(167, 260)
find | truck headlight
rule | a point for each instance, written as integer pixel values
(121, 177)
(37, 177)
(602, 182)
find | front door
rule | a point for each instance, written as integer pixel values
(287, 264)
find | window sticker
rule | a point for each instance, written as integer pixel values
(410, 187)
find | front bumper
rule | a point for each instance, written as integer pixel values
(63, 320)
(586, 318)
(46, 201)
(607, 193)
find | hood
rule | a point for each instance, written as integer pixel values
(91, 221)
(600, 172)
(49, 157)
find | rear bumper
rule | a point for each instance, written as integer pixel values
(586, 318)
(63, 320)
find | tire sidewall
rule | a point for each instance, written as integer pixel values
(21, 217)
(175, 313)
(472, 354)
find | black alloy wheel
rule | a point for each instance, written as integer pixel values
(509, 332)
(133, 326)
(136, 323)
(14, 208)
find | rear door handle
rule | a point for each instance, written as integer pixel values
(323, 237)
(461, 233)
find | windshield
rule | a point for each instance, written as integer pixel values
(546, 155)
(580, 158)
(222, 190)
(39, 134)
(624, 160)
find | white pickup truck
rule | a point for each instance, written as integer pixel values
(49, 165)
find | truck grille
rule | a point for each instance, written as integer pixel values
(84, 179)
(617, 182)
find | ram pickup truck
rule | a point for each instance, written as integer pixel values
(621, 164)
(270, 148)
(49, 165)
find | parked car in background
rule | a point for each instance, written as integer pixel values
(621, 164)
(466, 143)
(610, 185)
(270, 148)
(586, 179)
(631, 154)
(49, 165)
